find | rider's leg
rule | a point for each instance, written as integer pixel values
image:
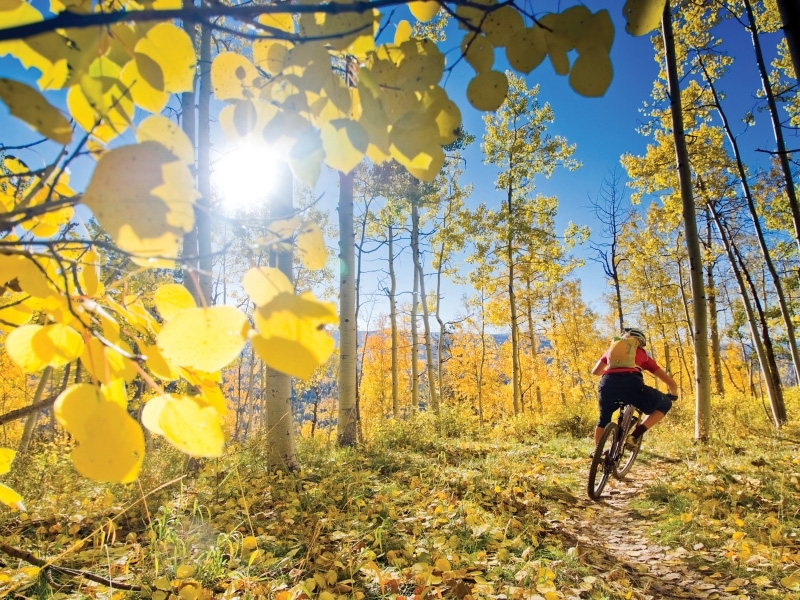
(598, 433)
(652, 419)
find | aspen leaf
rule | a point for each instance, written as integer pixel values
(89, 274)
(270, 55)
(158, 365)
(33, 347)
(28, 104)
(791, 582)
(113, 448)
(591, 73)
(250, 543)
(106, 364)
(157, 128)
(311, 245)
(204, 338)
(478, 51)
(143, 197)
(488, 90)
(11, 498)
(414, 143)
(171, 48)
(599, 32)
(94, 112)
(28, 274)
(502, 24)
(306, 156)
(344, 142)
(402, 33)
(444, 111)
(291, 336)
(424, 11)
(151, 412)
(6, 457)
(245, 117)
(421, 65)
(74, 405)
(527, 50)
(192, 428)
(232, 76)
(262, 284)
(171, 299)
(14, 316)
(642, 16)
(150, 96)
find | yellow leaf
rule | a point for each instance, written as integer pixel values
(103, 107)
(137, 75)
(192, 428)
(204, 338)
(158, 365)
(262, 284)
(171, 299)
(487, 90)
(157, 128)
(642, 16)
(89, 274)
(74, 405)
(737, 535)
(6, 457)
(249, 543)
(402, 33)
(291, 336)
(501, 25)
(424, 11)
(151, 412)
(551, 596)
(33, 347)
(442, 564)
(444, 111)
(599, 32)
(478, 51)
(527, 50)
(270, 55)
(344, 142)
(14, 316)
(791, 582)
(311, 245)
(232, 76)
(29, 105)
(421, 65)
(414, 143)
(106, 364)
(11, 498)
(686, 517)
(113, 448)
(591, 74)
(28, 273)
(306, 157)
(171, 48)
(144, 198)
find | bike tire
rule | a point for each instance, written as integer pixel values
(603, 461)
(626, 455)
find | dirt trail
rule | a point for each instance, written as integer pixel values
(615, 539)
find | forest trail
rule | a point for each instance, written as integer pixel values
(615, 539)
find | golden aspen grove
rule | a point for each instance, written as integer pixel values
(221, 379)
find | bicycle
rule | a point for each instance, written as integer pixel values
(612, 456)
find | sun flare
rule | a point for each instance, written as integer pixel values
(243, 176)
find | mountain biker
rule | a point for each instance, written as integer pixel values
(621, 368)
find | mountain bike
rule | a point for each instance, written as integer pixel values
(612, 457)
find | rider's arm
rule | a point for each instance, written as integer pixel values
(667, 379)
(600, 367)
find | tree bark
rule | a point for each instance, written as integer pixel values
(393, 325)
(347, 429)
(699, 308)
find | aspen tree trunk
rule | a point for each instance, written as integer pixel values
(512, 301)
(790, 15)
(393, 324)
(762, 242)
(249, 402)
(279, 418)
(189, 263)
(699, 309)
(414, 340)
(203, 213)
(482, 361)
(773, 392)
(713, 320)
(348, 342)
(33, 418)
(440, 345)
(426, 322)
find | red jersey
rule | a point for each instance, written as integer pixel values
(643, 363)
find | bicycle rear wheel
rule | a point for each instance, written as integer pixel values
(627, 455)
(602, 462)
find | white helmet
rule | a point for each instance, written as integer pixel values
(637, 333)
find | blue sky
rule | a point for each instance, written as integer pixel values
(602, 128)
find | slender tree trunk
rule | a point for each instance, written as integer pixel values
(33, 418)
(203, 213)
(512, 301)
(482, 361)
(440, 345)
(699, 308)
(414, 336)
(279, 417)
(762, 242)
(348, 332)
(713, 320)
(773, 391)
(426, 322)
(393, 324)
(189, 262)
(790, 15)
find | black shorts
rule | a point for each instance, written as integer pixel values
(628, 388)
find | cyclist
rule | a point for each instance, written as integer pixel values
(621, 368)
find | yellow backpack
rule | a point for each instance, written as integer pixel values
(622, 353)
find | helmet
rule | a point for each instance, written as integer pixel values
(637, 333)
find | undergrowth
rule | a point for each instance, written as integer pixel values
(429, 507)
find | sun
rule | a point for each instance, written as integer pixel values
(243, 176)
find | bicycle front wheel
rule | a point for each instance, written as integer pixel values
(602, 462)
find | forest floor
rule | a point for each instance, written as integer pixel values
(424, 512)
